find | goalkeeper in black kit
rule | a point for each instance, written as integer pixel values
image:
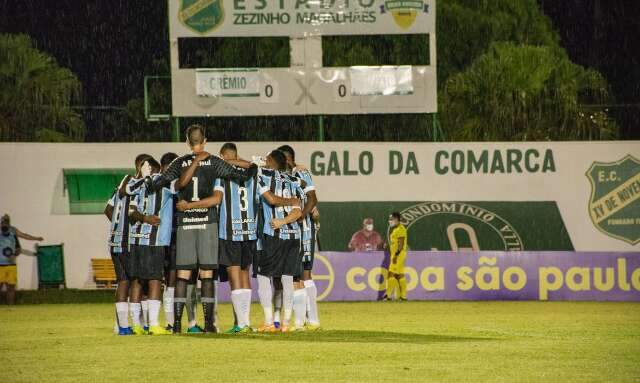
(197, 231)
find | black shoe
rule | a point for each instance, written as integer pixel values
(177, 328)
(210, 329)
(169, 328)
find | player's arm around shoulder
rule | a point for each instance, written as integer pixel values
(294, 215)
(205, 203)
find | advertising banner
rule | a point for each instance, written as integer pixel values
(553, 276)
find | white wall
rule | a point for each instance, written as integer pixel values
(32, 188)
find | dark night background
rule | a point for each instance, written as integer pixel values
(112, 44)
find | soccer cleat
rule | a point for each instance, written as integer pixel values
(169, 328)
(125, 331)
(276, 324)
(158, 330)
(297, 329)
(312, 326)
(137, 330)
(285, 328)
(233, 330)
(403, 299)
(267, 328)
(146, 330)
(177, 328)
(210, 329)
(195, 330)
(245, 330)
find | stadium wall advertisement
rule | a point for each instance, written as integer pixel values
(454, 197)
(553, 276)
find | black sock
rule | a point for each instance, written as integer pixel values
(180, 297)
(208, 303)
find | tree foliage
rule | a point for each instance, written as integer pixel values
(36, 95)
(525, 92)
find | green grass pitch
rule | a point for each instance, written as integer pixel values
(368, 342)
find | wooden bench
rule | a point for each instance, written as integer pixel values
(103, 272)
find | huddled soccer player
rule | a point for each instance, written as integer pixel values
(190, 216)
(310, 216)
(117, 212)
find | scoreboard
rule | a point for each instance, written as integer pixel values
(306, 87)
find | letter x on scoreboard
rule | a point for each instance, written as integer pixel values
(306, 87)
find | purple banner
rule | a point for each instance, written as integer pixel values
(592, 276)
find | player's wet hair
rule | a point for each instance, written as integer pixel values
(229, 146)
(155, 166)
(140, 158)
(279, 159)
(195, 134)
(396, 215)
(167, 158)
(288, 150)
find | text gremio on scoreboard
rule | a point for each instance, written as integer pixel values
(306, 87)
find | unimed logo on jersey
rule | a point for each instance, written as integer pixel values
(201, 16)
(461, 226)
(614, 206)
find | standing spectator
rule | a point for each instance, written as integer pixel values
(366, 239)
(10, 249)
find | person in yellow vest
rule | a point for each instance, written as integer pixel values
(397, 245)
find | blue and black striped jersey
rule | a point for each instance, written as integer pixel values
(282, 185)
(238, 211)
(307, 232)
(201, 185)
(119, 228)
(161, 204)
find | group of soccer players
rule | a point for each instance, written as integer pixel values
(214, 218)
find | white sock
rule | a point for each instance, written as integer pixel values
(135, 309)
(154, 312)
(277, 304)
(122, 309)
(145, 313)
(167, 301)
(300, 306)
(246, 306)
(265, 293)
(287, 297)
(312, 304)
(236, 301)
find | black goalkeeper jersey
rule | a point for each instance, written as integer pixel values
(201, 185)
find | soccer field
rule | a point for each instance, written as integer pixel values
(414, 341)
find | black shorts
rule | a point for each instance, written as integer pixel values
(120, 265)
(280, 257)
(148, 262)
(170, 258)
(223, 276)
(237, 253)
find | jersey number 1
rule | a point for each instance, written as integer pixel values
(195, 189)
